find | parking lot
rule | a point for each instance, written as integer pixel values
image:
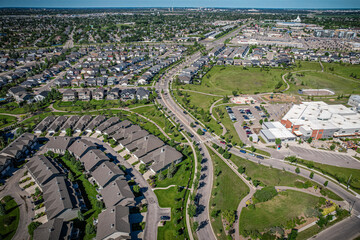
(336, 159)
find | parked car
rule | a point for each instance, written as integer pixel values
(243, 151)
(222, 142)
(260, 157)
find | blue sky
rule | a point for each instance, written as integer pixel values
(185, 3)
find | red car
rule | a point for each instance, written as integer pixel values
(222, 142)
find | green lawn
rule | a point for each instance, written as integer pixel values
(266, 175)
(158, 117)
(259, 151)
(12, 108)
(6, 120)
(228, 190)
(278, 211)
(9, 223)
(326, 80)
(229, 125)
(223, 80)
(181, 176)
(173, 199)
(343, 69)
(93, 105)
(339, 173)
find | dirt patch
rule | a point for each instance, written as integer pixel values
(281, 98)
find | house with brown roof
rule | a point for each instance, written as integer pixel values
(70, 123)
(57, 124)
(117, 127)
(108, 123)
(124, 132)
(95, 122)
(44, 124)
(131, 137)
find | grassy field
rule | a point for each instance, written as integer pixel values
(6, 120)
(9, 223)
(339, 173)
(278, 211)
(181, 176)
(158, 117)
(173, 199)
(12, 108)
(223, 80)
(197, 103)
(229, 125)
(266, 175)
(343, 69)
(228, 190)
(326, 80)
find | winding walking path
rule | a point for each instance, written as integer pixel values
(212, 115)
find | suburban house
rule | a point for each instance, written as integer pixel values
(80, 147)
(108, 123)
(70, 123)
(69, 95)
(85, 94)
(106, 173)
(59, 144)
(124, 132)
(161, 158)
(99, 94)
(131, 137)
(82, 123)
(115, 128)
(56, 228)
(92, 159)
(55, 126)
(114, 223)
(95, 122)
(44, 124)
(144, 145)
(5, 165)
(118, 192)
(42, 170)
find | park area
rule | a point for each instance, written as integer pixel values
(9, 218)
(286, 210)
(224, 80)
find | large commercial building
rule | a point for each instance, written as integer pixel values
(320, 120)
(275, 130)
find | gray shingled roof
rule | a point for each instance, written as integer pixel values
(145, 145)
(93, 158)
(161, 157)
(61, 143)
(80, 147)
(106, 172)
(133, 137)
(42, 169)
(113, 220)
(117, 192)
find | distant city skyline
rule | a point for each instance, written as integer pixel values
(303, 4)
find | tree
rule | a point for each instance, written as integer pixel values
(71, 177)
(136, 188)
(90, 229)
(69, 132)
(192, 210)
(234, 92)
(195, 226)
(32, 226)
(311, 175)
(2, 210)
(326, 183)
(200, 132)
(80, 216)
(161, 177)
(229, 216)
(227, 155)
(142, 167)
(309, 140)
(277, 141)
(241, 169)
(297, 170)
(265, 194)
(100, 204)
(332, 147)
(261, 121)
(256, 182)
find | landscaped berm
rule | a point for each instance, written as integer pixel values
(9, 217)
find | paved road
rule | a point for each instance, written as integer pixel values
(347, 229)
(326, 157)
(26, 213)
